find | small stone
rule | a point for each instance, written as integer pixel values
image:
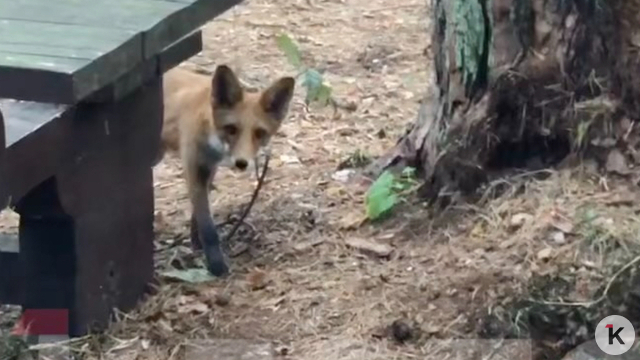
(401, 331)
(558, 237)
(343, 175)
(222, 299)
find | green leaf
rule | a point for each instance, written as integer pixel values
(312, 79)
(196, 275)
(380, 197)
(317, 90)
(323, 95)
(409, 172)
(290, 49)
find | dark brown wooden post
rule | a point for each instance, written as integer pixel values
(3, 141)
(86, 235)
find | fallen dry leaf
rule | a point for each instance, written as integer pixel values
(520, 219)
(563, 225)
(352, 221)
(303, 246)
(545, 254)
(372, 247)
(257, 279)
(195, 307)
(616, 163)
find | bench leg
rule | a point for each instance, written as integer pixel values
(86, 236)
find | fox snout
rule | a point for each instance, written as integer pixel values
(241, 164)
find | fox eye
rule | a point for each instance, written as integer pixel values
(260, 134)
(231, 130)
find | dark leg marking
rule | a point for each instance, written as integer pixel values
(202, 224)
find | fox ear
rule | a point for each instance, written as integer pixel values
(226, 90)
(275, 100)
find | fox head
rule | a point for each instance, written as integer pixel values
(245, 121)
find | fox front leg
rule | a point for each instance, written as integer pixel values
(204, 233)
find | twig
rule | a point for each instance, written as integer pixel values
(604, 293)
(253, 197)
(494, 350)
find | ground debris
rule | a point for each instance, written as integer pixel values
(228, 349)
(369, 246)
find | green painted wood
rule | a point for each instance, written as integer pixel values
(82, 46)
(30, 32)
(182, 22)
(170, 56)
(116, 14)
(41, 62)
(52, 51)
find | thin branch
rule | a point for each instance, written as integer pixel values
(253, 197)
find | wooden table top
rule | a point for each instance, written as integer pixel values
(61, 51)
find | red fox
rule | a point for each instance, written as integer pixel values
(214, 121)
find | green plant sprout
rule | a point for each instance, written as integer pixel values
(317, 89)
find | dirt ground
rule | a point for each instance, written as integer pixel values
(297, 280)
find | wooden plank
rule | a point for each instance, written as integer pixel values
(175, 53)
(65, 50)
(25, 117)
(2, 141)
(36, 84)
(52, 52)
(52, 35)
(163, 21)
(67, 62)
(171, 56)
(51, 63)
(114, 14)
(63, 79)
(182, 22)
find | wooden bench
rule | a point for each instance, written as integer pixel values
(80, 121)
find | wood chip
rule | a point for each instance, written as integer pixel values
(257, 279)
(371, 247)
(520, 219)
(563, 225)
(303, 246)
(545, 254)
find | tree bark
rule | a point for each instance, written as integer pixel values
(522, 83)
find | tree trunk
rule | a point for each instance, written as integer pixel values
(522, 84)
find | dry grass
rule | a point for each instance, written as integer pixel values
(296, 282)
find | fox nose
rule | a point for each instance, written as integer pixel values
(241, 164)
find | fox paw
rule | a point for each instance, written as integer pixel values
(215, 261)
(196, 245)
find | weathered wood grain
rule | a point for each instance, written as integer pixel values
(63, 51)
(2, 136)
(169, 57)
(26, 117)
